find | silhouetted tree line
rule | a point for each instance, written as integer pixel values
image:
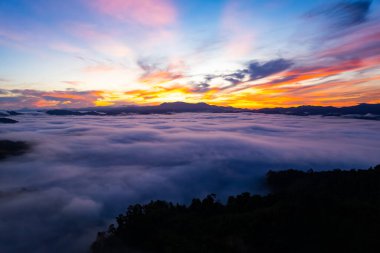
(331, 211)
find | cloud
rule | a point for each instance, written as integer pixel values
(8, 99)
(349, 64)
(17, 98)
(237, 34)
(339, 26)
(255, 70)
(12, 35)
(153, 74)
(83, 171)
(100, 68)
(340, 72)
(159, 94)
(150, 13)
(362, 44)
(303, 73)
(113, 48)
(354, 52)
(201, 87)
(3, 80)
(344, 14)
(72, 83)
(66, 48)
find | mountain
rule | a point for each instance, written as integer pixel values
(7, 121)
(164, 108)
(64, 112)
(361, 111)
(9, 113)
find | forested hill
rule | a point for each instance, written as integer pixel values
(331, 211)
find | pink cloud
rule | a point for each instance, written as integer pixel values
(4, 80)
(11, 35)
(361, 45)
(66, 48)
(16, 99)
(86, 31)
(73, 83)
(153, 13)
(240, 37)
(99, 68)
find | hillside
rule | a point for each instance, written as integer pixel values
(332, 211)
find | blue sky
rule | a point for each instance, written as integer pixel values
(148, 52)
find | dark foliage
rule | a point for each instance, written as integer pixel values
(333, 211)
(12, 148)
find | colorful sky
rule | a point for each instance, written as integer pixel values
(242, 53)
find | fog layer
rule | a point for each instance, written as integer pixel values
(83, 171)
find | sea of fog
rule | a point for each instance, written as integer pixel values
(85, 170)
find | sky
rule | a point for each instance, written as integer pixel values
(82, 172)
(241, 53)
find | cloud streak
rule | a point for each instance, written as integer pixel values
(256, 70)
(344, 14)
(36, 99)
(152, 74)
(151, 13)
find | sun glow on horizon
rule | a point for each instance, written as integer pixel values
(220, 52)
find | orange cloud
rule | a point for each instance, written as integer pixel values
(46, 103)
(335, 93)
(160, 94)
(48, 99)
(298, 86)
(296, 75)
(155, 75)
(159, 77)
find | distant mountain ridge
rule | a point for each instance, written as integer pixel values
(7, 121)
(361, 111)
(366, 111)
(164, 108)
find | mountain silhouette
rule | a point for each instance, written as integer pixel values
(361, 111)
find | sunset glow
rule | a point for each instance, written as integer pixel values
(186, 126)
(249, 54)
